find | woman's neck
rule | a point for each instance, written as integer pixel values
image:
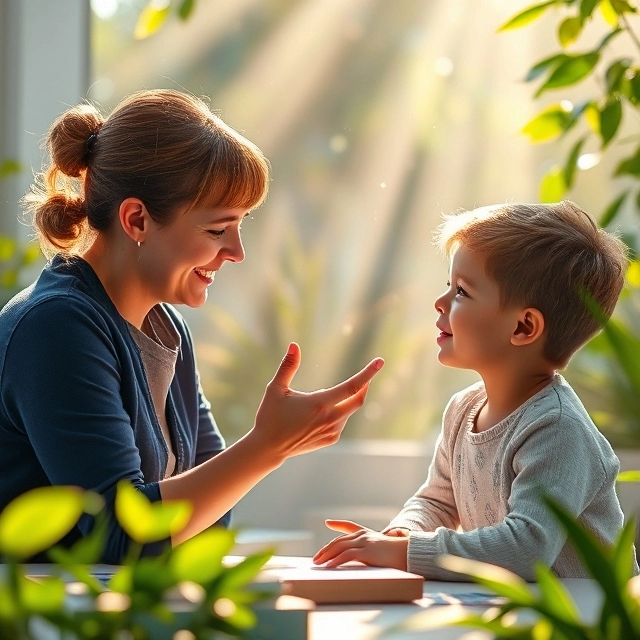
(119, 277)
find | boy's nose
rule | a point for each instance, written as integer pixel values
(439, 303)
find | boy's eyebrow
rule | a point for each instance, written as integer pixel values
(468, 282)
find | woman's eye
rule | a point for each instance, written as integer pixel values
(217, 232)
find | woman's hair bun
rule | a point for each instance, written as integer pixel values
(68, 136)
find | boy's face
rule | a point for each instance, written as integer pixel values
(475, 333)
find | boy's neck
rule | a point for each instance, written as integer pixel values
(506, 393)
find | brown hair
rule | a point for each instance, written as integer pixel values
(162, 146)
(552, 257)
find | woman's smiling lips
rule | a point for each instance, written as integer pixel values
(205, 275)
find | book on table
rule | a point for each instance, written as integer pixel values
(350, 583)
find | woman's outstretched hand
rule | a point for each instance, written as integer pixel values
(293, 422)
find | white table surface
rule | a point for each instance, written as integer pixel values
(366, 622)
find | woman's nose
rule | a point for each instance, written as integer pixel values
(235, 250)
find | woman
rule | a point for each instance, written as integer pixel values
(98, 381)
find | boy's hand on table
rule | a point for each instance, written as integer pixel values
(364, 545)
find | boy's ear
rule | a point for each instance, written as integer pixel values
(134, 218)
(529, 328)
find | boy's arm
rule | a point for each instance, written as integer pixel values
(560, 457)
(433, 505)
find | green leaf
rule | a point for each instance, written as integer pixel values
(43, 596)
(553, 186)
(88, 550)
(633, 274)
(31, 253)
(555, 596)
(608, 13)
(587, 7)
(605, 41)
(623, 343)
(500, 580)
(541, 67)
(527, 16)
(548, 124)
(186, 9)
(569, 170)
(80, 572)
(628, 476)
(149, 21)
(623, 552)
(122, 580)
(615, 74)
(199, 559)
(610, 118)
(7, 248)
(592, 116)
(570, 71)
(39, 518)
(597, 559)
(622, 6)
(8, 167)
(150, 576)
(242, 573)
(611, 211)
(569, 31)
(630, 166)
(145, 522)
(634, 84)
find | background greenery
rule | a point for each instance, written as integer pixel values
(386, 116)
(596, 90)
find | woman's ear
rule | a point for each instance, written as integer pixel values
(529, 328)
(134, 218)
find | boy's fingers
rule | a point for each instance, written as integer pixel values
(351, 386)
(288, 367)
(344, 526)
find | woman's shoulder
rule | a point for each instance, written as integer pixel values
(64, 294)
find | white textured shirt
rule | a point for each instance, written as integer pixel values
(483, 495)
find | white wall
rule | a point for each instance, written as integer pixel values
(365, 481)
(44, 68)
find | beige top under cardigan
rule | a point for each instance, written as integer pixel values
(482, 496)
(159, 344)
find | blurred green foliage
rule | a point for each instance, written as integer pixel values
(606, 373)
(14, 255)
(134, 601)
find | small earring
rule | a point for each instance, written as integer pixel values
(138, 244)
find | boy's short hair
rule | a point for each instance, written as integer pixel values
(548, 256)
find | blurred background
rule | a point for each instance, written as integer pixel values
(377, 117)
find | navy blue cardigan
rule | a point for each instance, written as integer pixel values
(75, 405)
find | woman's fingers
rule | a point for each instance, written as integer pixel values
(288, 367)
(354, 384)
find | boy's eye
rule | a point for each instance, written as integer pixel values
(460, 291)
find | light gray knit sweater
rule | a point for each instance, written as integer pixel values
(482, 496)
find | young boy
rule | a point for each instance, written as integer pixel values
(514, 311)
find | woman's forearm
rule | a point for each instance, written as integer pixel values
(217, 485)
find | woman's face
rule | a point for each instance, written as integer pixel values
(179, 260)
